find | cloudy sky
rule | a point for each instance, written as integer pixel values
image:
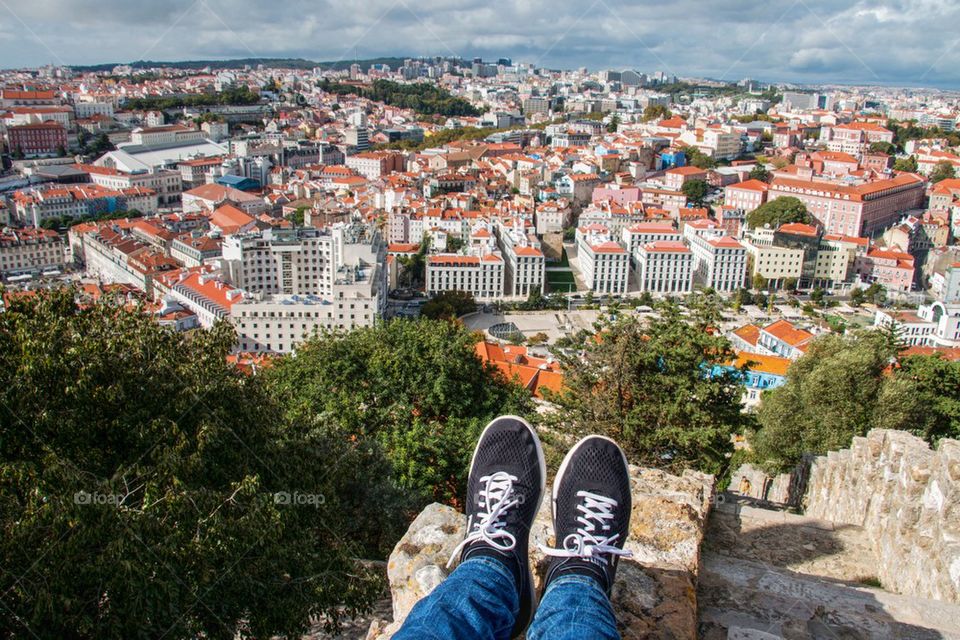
(913, 42)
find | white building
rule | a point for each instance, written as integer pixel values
(664, 267)
(303, 281)
(719, 262)
(482, 276)
(30, 250)
(933, 325)
(645, 233)
(167, 183)
(524, 260)
(604, 263)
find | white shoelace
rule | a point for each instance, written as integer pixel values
(589, 541)
(496, 498)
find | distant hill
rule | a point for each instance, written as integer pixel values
(289, 63)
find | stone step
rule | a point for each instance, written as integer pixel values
(747, 600)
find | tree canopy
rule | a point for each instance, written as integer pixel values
(655, 112)
(695, 190)
(777, 212)
(416, 388)
(150, 489)
(449, 305)
(425, 98)
(943, 170)
(846, 385)
(759, 172)
(650, 385)
(230, 96)
(697, 158)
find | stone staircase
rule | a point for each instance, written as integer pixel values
(767, 574)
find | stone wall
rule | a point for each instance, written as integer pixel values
(786, 489)
(655, 592)
(907, 497)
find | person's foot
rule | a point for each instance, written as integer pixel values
(505, 488)
(591, 512)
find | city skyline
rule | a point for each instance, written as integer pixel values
(895, 43)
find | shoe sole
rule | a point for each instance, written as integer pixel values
(563, 469)
(534, 601)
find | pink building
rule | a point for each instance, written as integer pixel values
(893, 269)
(747, 195)
(620, 196)
(675, 178)
(859, 210)
(854, 137)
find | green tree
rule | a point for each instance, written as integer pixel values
(647, 384)
(856, 296)
(413, 273)
(697, 158)
(790, 284)
(759, 172)
(817, 296)
(656, 112)
(613, 124)
(923, 397)
(695, 191)
(875, 293)
(759, 283)
(449, 305)
(908, 164)
(415, 388)
(145, 472)
(778, 212)
(829, 397)
(942, 171)
(883, 147)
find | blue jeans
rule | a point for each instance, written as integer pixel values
(479, 601)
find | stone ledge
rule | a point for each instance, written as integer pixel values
(655, 592)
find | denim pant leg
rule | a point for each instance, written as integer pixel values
(477, 601)
(574, 608)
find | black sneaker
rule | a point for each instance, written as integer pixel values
(591, 512)
(506, 485)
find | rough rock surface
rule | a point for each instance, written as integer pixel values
(655, 592)
(774, 575)
(907, 497)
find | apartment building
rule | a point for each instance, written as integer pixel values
(481, 276)
(111, 253)
(775, 263)
(745, 196)
(854, 210)
(167, 183)
(719, 262)
(604, 263)
(375, 164)
(854, 138)
(781, 338)
(30, 250)
(32, 207)
(202, 291)
(299, 282)
(664, 267)
(39, 139)
(645, 233)
(674, 179)
(889, 267)
(836, 259)
(523, 259)
(167, 134)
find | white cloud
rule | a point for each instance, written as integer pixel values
(808, 40)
